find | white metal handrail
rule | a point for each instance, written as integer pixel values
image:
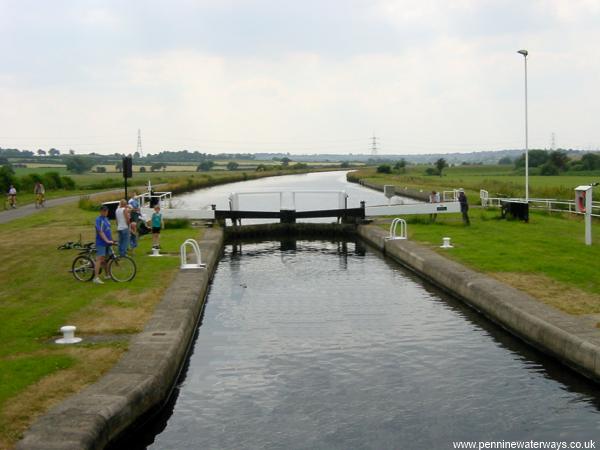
(450, 196)
(164, 198)
(393, 229)
(234, 197)
(183, 255)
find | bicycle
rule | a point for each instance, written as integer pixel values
(119, 268)
(70, 245)
(40, 201)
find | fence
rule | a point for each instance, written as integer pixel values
(545, 204)
(163, 199)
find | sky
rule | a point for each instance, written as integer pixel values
(311, 76)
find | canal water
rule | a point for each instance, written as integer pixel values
(327, 345)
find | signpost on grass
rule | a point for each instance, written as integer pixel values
(583, 204)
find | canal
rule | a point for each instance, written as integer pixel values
(328, 345)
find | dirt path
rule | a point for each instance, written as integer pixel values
(26, 210)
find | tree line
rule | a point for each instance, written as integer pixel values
(557, 161)
(50, 180)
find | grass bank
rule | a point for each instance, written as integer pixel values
(546, 257)
(39, 295)
(503, 180)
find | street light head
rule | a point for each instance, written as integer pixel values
(523, 52)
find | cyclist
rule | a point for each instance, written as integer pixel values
(39, 192)
(103, 243)
(12, 196)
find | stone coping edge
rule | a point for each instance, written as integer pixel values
(544, 327)
(415, 194)
(143, 378)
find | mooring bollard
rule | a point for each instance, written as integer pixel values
(446, 243)
(68, 332)
(155, 252)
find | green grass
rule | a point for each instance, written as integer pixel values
(16, 374)
(39, 295)
(495, 179)
(549, 245)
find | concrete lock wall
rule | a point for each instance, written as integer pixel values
(546, 328)
(415, 194)
(142, 380)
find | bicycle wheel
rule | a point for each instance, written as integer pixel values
(83, 268)
(122, 268)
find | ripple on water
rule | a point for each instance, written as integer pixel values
(322, 348)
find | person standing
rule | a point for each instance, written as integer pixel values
(434, 197)
(39, 192)
(123, 220)
(157, 225)
(464, 206)
(135, 214)
(133, 237)
(12, 196)
(103, 243)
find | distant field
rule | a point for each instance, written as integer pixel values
(44, 165)
(93, 177)
(495, 179)
(111, 169)
(42, 168)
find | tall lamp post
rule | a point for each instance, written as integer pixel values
(525, 53)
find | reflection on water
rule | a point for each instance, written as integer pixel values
(327, 345)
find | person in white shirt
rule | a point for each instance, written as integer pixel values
(123, 220)
(12, 196)
(434, 197)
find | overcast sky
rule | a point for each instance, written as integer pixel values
(310, 76)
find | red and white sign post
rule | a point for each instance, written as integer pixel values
(583, 204)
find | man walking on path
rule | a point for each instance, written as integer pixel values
(464, 206)
(123, 220)
(103, 242)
